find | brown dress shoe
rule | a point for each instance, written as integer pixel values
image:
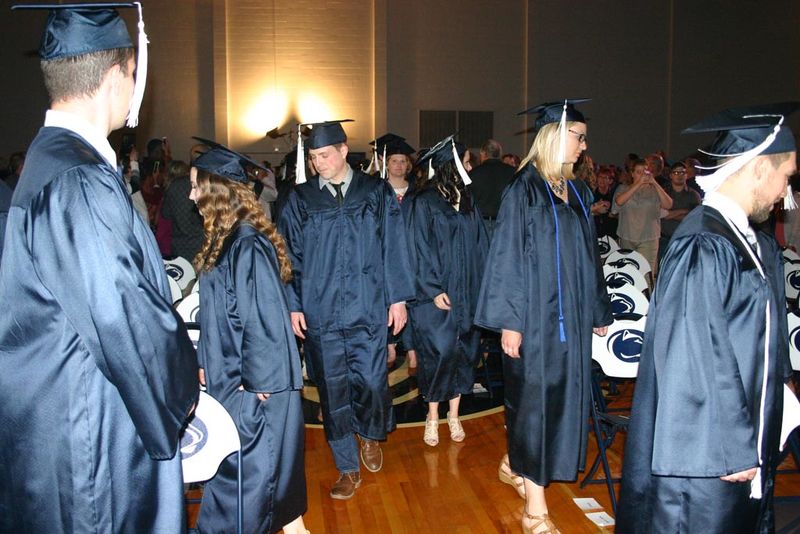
(371, 455)
(346, 486)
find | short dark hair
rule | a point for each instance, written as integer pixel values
(81, 76)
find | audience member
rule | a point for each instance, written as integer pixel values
(15, 164)
(684, 200)
(605, 222)
(489, 179)
(691, 173)
(180, 212)
(512, 160)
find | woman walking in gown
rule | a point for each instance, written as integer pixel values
(447, 247)
(247, 351)
(544, 291)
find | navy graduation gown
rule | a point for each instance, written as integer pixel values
(97, 372)
(546, 389)
(448, 251)
(699, 386)
(246, 339)
(350, 264)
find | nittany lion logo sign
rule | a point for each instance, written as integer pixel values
(793, 279)
(626, 344)
(622, 304)
(194, 438)
(623, 261)
(794, 338)
(174, 271)
(618, 279)
(603, 246)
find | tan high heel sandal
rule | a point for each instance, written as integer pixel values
(544, 518)
(431, 436)
(507, 476)
(457, 433)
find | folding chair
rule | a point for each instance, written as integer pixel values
(617, 276)
(189, 307)
(618, 356)
(790, 255)
(607, 245)
(209, 438)
(181, 271)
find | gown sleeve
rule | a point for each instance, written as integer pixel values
(87, 255)
(397, 271)
(265, 354)
(290, 226)
(504, 291)
(701, 403)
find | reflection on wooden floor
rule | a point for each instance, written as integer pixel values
(449, 489)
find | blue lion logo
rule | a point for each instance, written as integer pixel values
(794, 279)
(794, 338)
(618, 279)
(174, 271)
(194, 438)
(604, 247)
(626, 345)
(622, 262)
(621, 304)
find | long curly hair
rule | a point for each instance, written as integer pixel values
(223, 204)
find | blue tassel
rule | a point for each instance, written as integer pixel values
(561, 330)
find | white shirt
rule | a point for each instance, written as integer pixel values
(734, 214)
(86, 130)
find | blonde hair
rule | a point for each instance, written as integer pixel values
(223, 203)
(544, 153)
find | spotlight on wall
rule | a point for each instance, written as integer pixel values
(269, 110)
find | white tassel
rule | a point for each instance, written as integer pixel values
(562, 142)
(383, 166)
(141, 74)
(788, 200)
(300, 168)
(373, 165)
(712, 182)
(430, 169)
(461, 170)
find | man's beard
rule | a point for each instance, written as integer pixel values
(761, 213)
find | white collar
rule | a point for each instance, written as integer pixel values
(89, 133)
(729, 209)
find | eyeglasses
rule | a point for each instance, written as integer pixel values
(582, 139)
(679, 171)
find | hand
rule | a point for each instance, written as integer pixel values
(600, 330)
(201, 376)
(134, 155)
(397, 317)
(741, 476)
(442, 301)
(511, 340)
(299, 324)
(262, 396)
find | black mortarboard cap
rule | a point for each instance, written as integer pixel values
(386, 139)
(442, 152)
(326, 133)
(77, 29)
(222, 161)
(398, 147)
(551, 112)
(744, 128)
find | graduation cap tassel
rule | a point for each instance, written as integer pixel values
(788, 200)
(562, 143)
(383, 163)
(430, 169)
(459, 166)
(372, 163)
(141, 74)
(561, 335)
(300, 168)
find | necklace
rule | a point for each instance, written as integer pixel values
(559, 187)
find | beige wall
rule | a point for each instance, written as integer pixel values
(651, 68)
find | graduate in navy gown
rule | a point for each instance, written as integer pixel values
(395, 157)
(544, 291)
(448, 245)
(97, 371)
(702, 446)
(247, 351)
(345, 237)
